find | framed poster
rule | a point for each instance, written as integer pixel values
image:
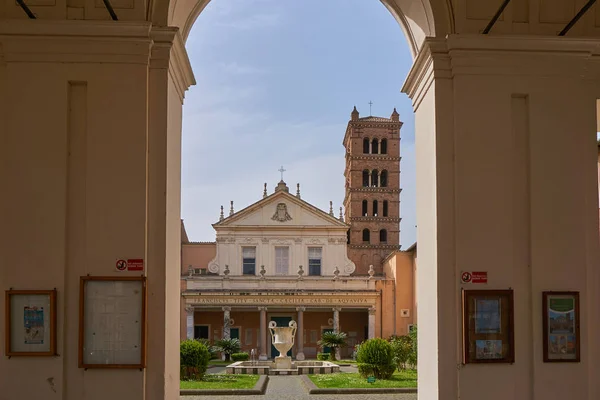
(112, 322)
(30, 323)
(561, 326)
(488, 326)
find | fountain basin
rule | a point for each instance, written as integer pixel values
(268, 368)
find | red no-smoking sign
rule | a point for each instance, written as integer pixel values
(121, 265)
(474, 277)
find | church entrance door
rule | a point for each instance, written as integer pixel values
(281, 321)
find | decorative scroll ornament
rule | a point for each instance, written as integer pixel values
(213, 268)
(349, 268)
(281, 214)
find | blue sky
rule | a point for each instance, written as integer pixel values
(276, 82)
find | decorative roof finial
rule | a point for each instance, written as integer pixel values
(231, 209)
(265, 191)
(298, 190)
(395, 115)
(222, 216)
(354, 114)
(341, 215)
(331, 208)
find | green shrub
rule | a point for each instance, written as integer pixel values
(402, 347)
(213, 350)
(323, 356)
(193, 360)
(240, 356)
(412, 358)
(375, 357)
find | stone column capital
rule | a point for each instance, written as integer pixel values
(189, 309)
(372, 310)
(337, 309)
(226, 309)
(301, 309)
(262, 308)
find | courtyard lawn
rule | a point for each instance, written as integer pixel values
(219, 362)
(404, 379)
(218, 381)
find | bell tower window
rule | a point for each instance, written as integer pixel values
(384, 178)
(385, 208)
(383, 236)
(375, 146)
(375, 208)
(383, 146)
(365, 176)
(366, 145)
(365, 205)
(375, 178)
(366, 235)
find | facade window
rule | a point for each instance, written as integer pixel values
(375, 208)
(366, 145)
(375, 146)
(201, 332)
(365, 205)
(385, 208)
(315, 255)
(383, 236)
(384, 178)
(383, 146)
(375, 178)
(365, 178)
(249, 260)
(366, 235)
(282, 260)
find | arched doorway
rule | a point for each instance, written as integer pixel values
(505, 150)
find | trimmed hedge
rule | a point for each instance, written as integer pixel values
(323, 356)
(375, 357)
(240, 356)
(193, 359)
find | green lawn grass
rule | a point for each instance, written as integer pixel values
(404, 379)
(225, 381)
(345, 362)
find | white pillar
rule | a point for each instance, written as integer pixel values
(371, 323)
(300, 334)
(263, 333)
(510, 153)
(227, 323)
(189, 322)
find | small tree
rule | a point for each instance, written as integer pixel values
(334, 340)
(402, 347)
(228, 347)
(193, 359)
(412, 358)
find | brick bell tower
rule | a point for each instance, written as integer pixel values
(372, 200)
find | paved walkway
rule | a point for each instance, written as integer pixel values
(292, 388)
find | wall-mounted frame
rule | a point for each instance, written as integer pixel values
(112, 322)
(561, 326)
(30, 323)
(488, 326)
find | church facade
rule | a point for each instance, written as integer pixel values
(282, 258)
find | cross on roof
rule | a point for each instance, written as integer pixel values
(282, 171)
(370, 106)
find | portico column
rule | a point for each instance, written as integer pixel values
(226, 322)
(336, 327)
(371, 323)
(263, 333)
(300, 334)
(189, 322)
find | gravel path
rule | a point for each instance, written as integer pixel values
(292, 388)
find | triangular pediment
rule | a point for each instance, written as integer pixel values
(281, 209)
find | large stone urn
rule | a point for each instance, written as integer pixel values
(283, 340)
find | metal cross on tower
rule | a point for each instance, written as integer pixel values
(282, 171)
(370, 106)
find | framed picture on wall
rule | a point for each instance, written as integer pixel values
(112, 322)
(488, 326)
(30, 323)
(561, 326)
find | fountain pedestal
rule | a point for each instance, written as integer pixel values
(283, 340)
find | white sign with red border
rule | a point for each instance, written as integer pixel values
(121, 265)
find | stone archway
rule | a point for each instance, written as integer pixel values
(90, 122)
